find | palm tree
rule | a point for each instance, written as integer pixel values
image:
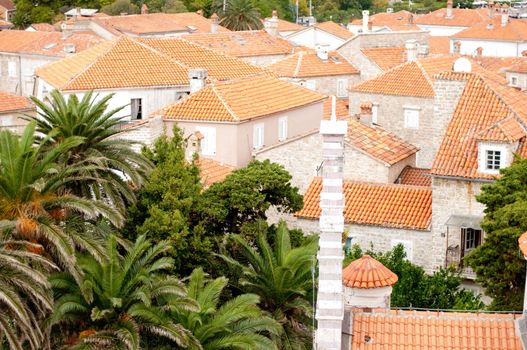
(237, 324)
(241, 15)
(113, 168)
(282, 278)
(25, 295)
(33, 204)
(122, 298)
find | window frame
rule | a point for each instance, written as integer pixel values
(258, 136)
(12, 69)
(342, 87)
(414, 110)
(282, 128)
(493, 159)
(138, 114)
(208, 142)
(476, 240)
(375, 113)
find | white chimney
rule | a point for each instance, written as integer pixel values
(271, 24)
(365, 20)
(411, 50)
(214, 22)
(323, 51)
(330, 302)
(389, 10)
(198, 79)
(504, 19)
(449, 5)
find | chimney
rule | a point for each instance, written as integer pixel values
(330, 305)
(491, 8)
(193, 145)
(365, 116)
(144, 9)
(411, 50)
(411, 18)
(456, 47)
(365, 20)
(271, 24)
(524, 53)
(423, 50)
(449, 5)
(199, 12)
(479, 51)
(77, 13)
(214, 22)
(198, 79)
(322, 51)
(370, 26)
(504, 19)
(389, 10)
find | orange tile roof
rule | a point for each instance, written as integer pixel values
(522, 241)
(241, 99)
(415, 177)
(387, 205)
(308, 64)
(378, 143)
(120, 63)
(219, 66)
(515, 30)
(424, 330)
(44, 43)
(460, 17)
(341, 109)
(43, 27)
(518, 67)
(10, 102)
(212, 171)
(156, 23)
(243, 43)
(335, 29)
(439, 45)
(485, 110)
(386, 57)
(7, 4)
(399, 20)
(286, 26)
(367, 272)
(499, 65)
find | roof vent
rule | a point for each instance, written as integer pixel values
(192, 28)
(490, 26)
(462, 65)
(69, 48)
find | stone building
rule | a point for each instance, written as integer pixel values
(325, 72)
(12, 109)
(517, 74)
(327, 33)
(383, 21)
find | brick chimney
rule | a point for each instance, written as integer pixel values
(411, 50)
(366, 115)
(330, 302)
(271, 24)
(449, 5)
(365, 20)
(144, 9)
(198, 79)
(214, 22)
(193, 145)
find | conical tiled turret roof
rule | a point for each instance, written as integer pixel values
(367, 272)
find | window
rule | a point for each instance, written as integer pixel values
(470, 239)
(208, 142)
(282, 128)
(258, 136)
(311, 84)
(137, 108)
(411, 118)
(374, 113)
(408, 247)
(342, 87)
(11, 69)
(514, 81)
(492, 159)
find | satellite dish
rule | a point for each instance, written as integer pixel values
(462, 65)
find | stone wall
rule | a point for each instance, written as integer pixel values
(143, 133)
(327, 85)
(24, 81)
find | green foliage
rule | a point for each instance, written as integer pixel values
(241, 15)
(282, 276)
(122, 298)
(236, 324)
(417, 289)
(120, 6)
(498, 263)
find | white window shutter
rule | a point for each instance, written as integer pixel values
(411, 118)
(208, 143)
(282, 128)
(258, 136)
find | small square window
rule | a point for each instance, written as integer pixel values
(411, 118)
(514, 81)
(493, 160)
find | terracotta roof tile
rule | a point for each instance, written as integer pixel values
(484, 109)
(10, 102)
(439, 45)
(43, 27)
(219, 66)
(243, 43)
(341, 109)
(115, 64)
(286, 26)
(308, 64)
(400, 20)
(212, 171)
(460, 17)
(386, 57)
(499, 65)
(45, 43)
(518, 67)
(415, 177)
(522, 241)
(378, 204)
(335, 29)
(423, 330)
(367, 272)
(241, 99)
(378, 143)
(515, 30)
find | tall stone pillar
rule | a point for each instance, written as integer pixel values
(330, 303)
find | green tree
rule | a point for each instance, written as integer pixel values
(282, 277)
(415, 288)
(498, 263)
(236, 324)
(241, 15)
(25, 295)
(110, 167)
(33, 203)
(123, 298)
(120, 6)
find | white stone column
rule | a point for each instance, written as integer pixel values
(330, 303)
